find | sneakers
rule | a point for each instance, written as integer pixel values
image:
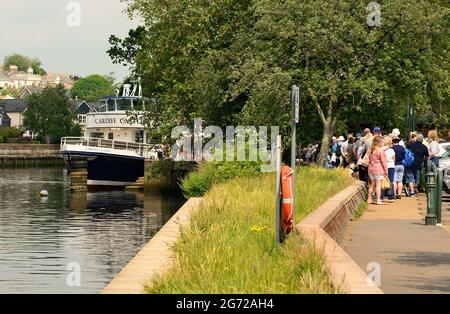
(407, 192)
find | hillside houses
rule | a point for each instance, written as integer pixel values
(12, 78)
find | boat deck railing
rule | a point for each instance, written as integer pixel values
(143, 150)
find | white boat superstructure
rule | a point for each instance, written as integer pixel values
(87, 145)
(115, 144)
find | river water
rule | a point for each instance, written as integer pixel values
(69, 243)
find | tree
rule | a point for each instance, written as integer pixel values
(23, 63)
(124, 51)
(175, 37)
(93, 87)
(9, 91)
(234, 62)
(49, 116)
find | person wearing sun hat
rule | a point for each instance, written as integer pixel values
(338, 145)
(396, 133)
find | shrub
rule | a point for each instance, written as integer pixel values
(1, 139)
(8, 133)
(197, 183)
(168, 170)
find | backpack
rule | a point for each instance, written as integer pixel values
(351, 152)
(338, 150)
(334, 148)
(408, 159)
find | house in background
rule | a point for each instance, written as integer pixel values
(14, 108)
(13, 78)
(28, 90)
(5, 121)
(81, 108)
(5, 81)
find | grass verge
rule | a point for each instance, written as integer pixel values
(230, 248)
(360, 211)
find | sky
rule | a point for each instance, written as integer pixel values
(49, 30)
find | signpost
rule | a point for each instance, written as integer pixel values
(279, 235)
(295, 119)
(295, 115)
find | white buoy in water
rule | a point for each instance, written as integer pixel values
(43, 193)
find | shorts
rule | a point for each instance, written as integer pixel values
(376, 177)
(399, 173)
(412, 175)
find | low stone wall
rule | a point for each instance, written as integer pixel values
(32, 150)
(29, 155)
(326, 227)
(156, 257)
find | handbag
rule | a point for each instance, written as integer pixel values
(386, 184)
(365, 160)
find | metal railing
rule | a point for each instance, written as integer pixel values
(144, 150)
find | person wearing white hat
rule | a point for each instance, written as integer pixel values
(396, 133)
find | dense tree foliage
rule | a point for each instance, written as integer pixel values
(49, 116)
(93, 87)
(23, 63)
(233, 62)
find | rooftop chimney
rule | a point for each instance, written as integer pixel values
(13, 69)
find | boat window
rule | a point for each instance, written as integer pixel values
(111, 105)
(110, 136)
(139, 136)
(102, 106)
(97, 135)
(124, 104)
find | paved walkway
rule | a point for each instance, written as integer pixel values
(414, 258)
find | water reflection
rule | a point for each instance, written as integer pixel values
(99, 231)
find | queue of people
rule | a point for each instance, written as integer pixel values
(384, 162)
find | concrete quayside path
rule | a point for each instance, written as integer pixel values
(413, 257)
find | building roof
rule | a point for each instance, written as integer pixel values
(5, 78)
(90, 106)
(30, 90)
(26, 77)
(95, 105)
(74, 104)
(3, 114)
(63, 77)
(13, 105)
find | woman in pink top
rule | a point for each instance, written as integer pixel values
(377, 169)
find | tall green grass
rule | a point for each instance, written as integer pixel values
(197, 183)
(230, 245)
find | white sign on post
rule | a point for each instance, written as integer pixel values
(296, 96)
